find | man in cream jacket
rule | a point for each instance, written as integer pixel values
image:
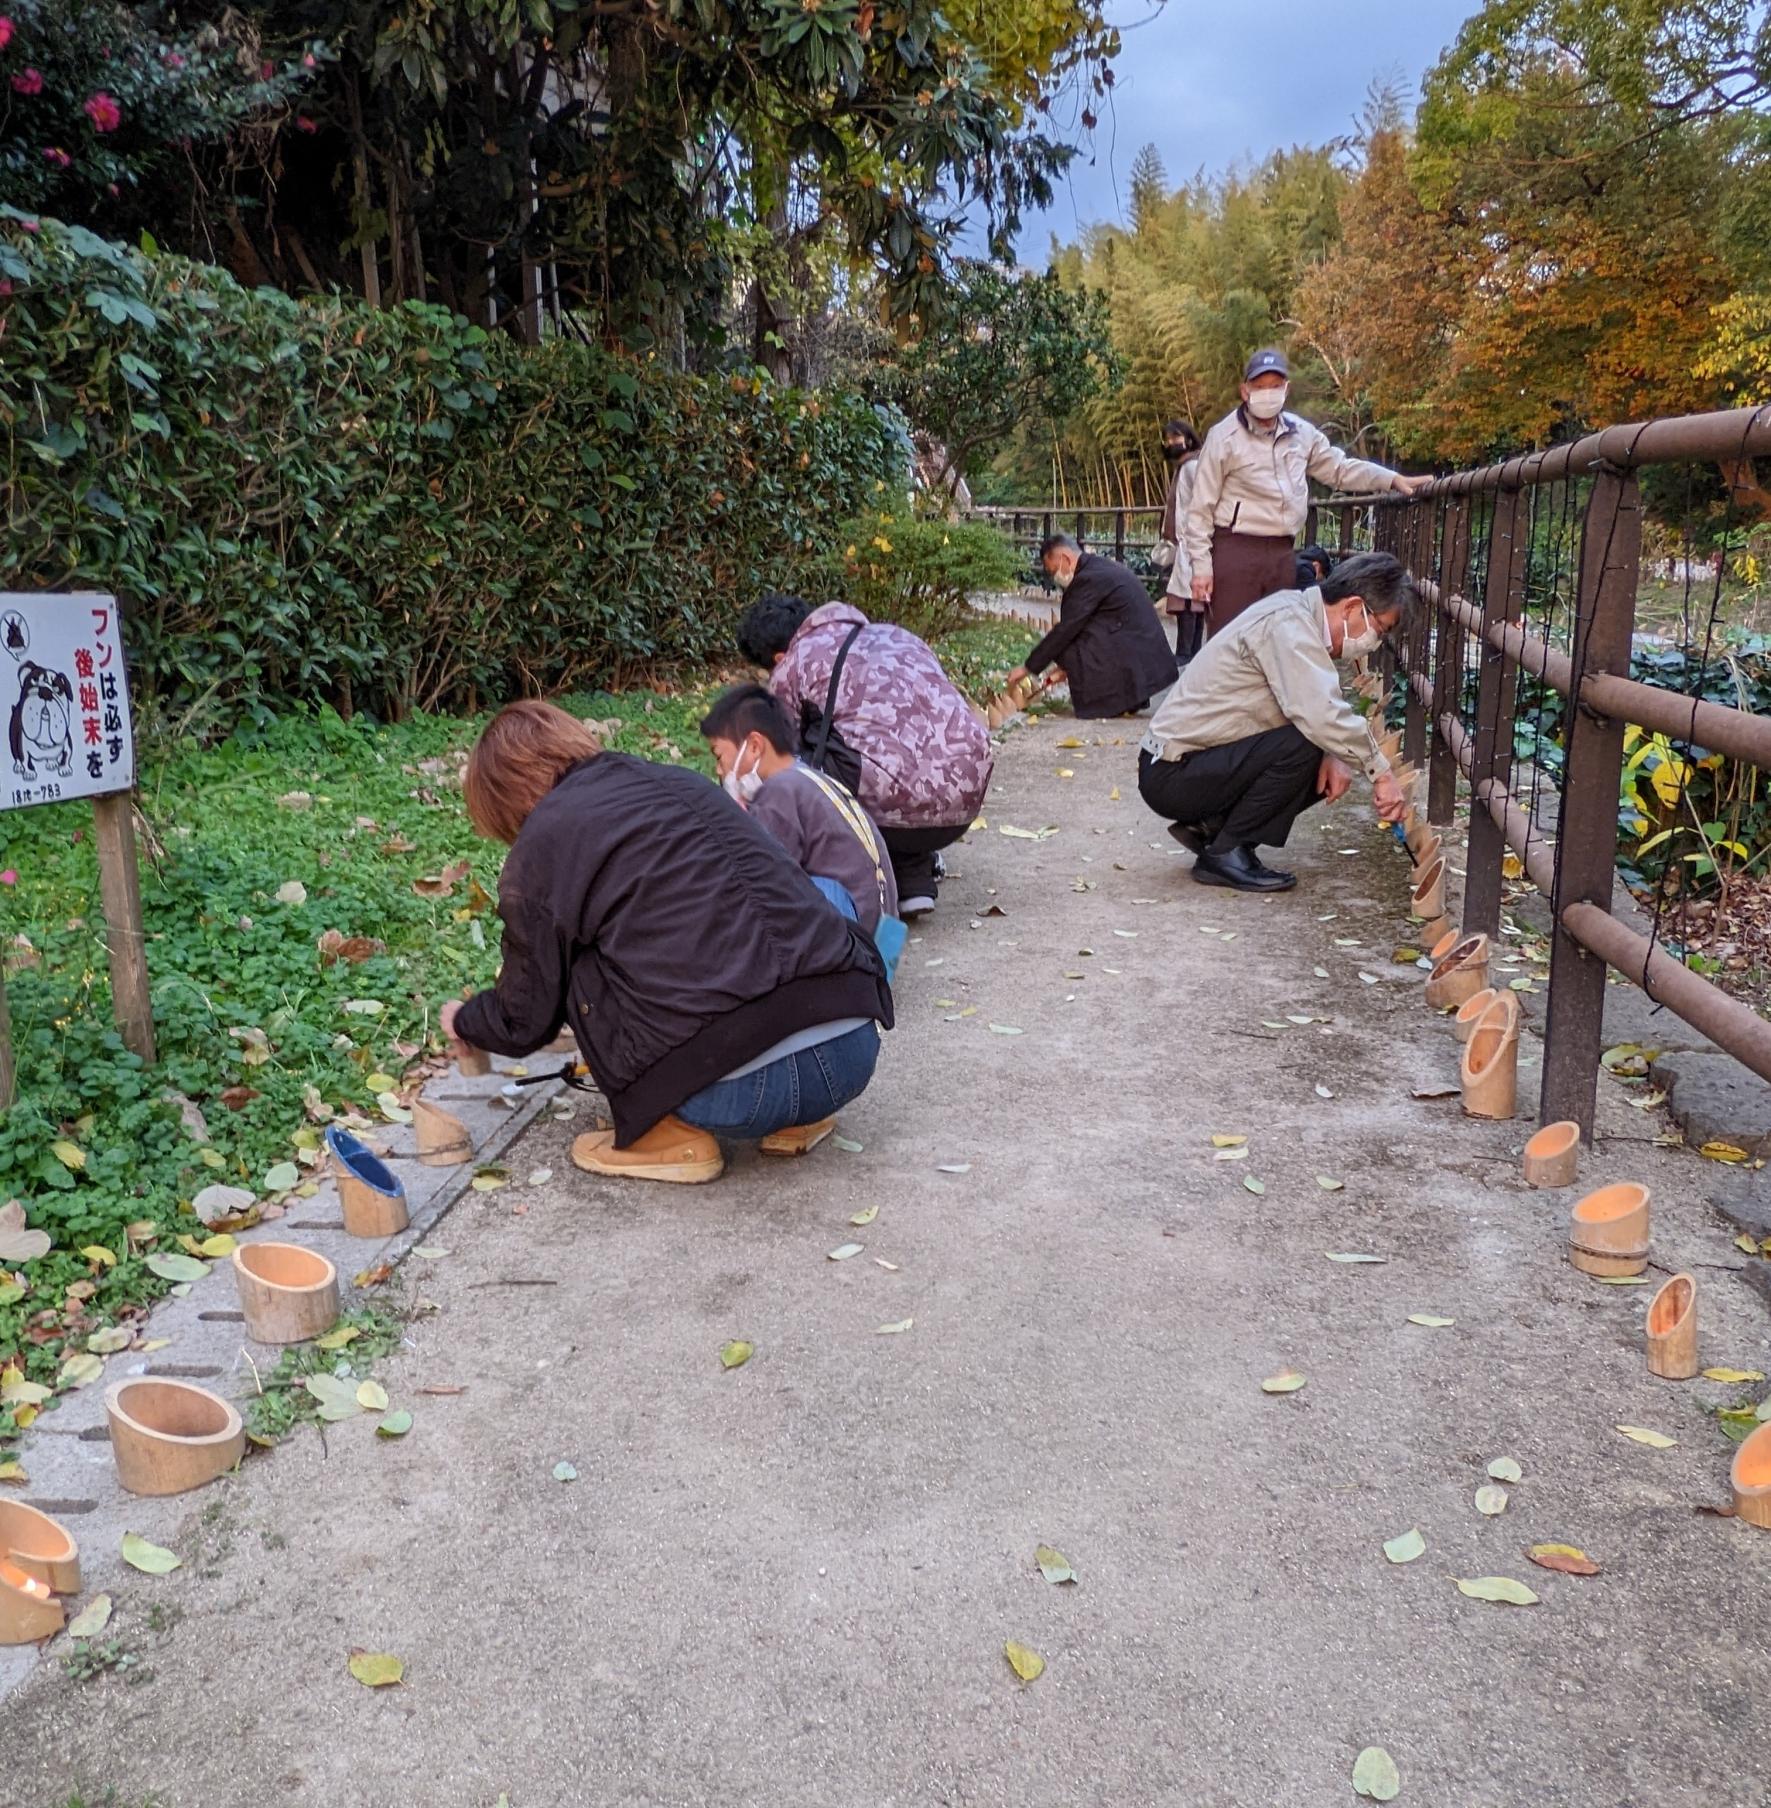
(1257, 730)
(1252, 492)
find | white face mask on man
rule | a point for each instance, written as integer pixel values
(1268, 402)
(1367, 640)
(741, 787)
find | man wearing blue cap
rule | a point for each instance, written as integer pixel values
(1253, 491)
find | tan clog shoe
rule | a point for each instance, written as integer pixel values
(797, 1139)
(670, 1150)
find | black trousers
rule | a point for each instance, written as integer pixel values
(1248, 792)
(913, 852)
(1189, 637)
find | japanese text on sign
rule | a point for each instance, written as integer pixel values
(66, 699)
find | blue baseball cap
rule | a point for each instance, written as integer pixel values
(1268, 361)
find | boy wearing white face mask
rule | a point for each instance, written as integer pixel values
(1258, 730)
(1252, 492)
(814, 818)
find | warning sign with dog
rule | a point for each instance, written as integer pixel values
(65, 699)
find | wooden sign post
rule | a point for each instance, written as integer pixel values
(65, 699)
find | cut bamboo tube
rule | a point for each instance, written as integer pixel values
(1429, 891)
(288, 1294)
(443, 1139)
(1010, 701)
(1751, 1478)
(1490, 1068)
(40, 1546)
(28, 1611)
(373, 1200)
(1430, 849)
(1608, 1230)
(1436, 931)
(1552, 1156)
(1672, 1330)
(169, 1437)
(1460, 974)
(475, 1064)
(1444, 946)
(1469, 1013)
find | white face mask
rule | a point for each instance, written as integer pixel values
(741, 787)
(1062, 578)
(1367, 640)
(1268, 403)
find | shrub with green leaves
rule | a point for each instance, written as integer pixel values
(917, 570)
(387, 509)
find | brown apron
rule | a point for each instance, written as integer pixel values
(1246, 567)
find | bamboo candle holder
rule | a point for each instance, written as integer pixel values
(1429, 891)
(1672, 1330)
(1469, 1013)
(40, 1546)
(1750, 1476)
(28, 1610)
(1443, 946)
(443, 1139)
(370, 1193)
(1490, 1066)
(288, 1294)
(1552, 1156)
(1460, 975)
(1608, 1230)
(169, 1437)
(474, 1064)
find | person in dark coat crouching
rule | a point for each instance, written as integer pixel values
(712, 988)
(1108, 639)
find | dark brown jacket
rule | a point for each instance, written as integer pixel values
(644, 907)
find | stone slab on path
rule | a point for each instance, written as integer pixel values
(789, 1585)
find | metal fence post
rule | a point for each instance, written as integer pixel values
(1503, 600)
(1586, 830)
(1414, 549)
(1119, 535)
(1310, 525)
(1454, 559)
(1346, 542)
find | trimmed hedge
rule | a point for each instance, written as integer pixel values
(387, 508)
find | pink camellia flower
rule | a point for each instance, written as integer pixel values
(56, 155)
(266, 71)
(172, 60)
(102, 109)
(10, 876)
(304, 124)
(307, 62)
(28, 81)
(5, 31)
(113, 191)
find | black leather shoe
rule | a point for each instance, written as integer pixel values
(1237, 869)
(1190, 835)
(1271, 872)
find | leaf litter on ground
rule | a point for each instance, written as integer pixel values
(1375, 1775)
(1054, 1565)
(1406, 1546)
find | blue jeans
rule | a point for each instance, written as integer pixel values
(798, 1089)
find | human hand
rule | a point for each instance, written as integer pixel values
(446, 1022)
(1016, 678)
(1332, 779)
(1202, 587)
(1392, 805)
(1412, 486)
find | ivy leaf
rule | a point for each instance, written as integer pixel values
(1375, 1775)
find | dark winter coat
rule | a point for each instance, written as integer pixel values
(1109, 641)
(680, 941)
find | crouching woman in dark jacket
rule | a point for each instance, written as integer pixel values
(711, 987)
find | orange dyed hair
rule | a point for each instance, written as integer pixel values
(522, 755)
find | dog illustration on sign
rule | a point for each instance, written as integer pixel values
(41, 729)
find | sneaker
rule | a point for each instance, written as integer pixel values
(919, 906)
(940, 865)
(798, 1139)
(670, 1150)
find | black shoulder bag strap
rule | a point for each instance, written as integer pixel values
(824, 728)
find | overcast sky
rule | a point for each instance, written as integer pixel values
(1213, 83)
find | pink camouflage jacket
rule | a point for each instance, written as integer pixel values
(925, 755)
